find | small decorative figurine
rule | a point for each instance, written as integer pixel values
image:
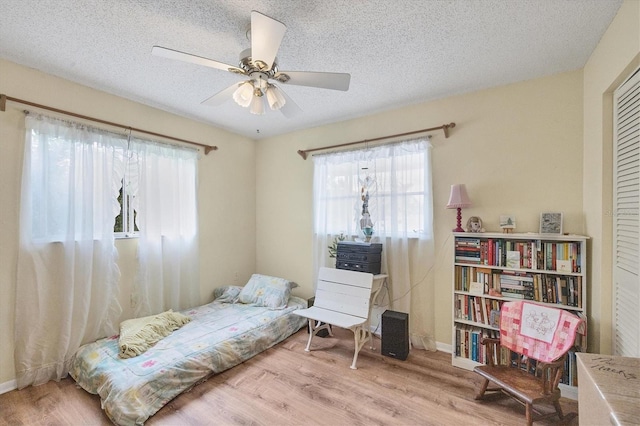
(474, 224)
(366, 225)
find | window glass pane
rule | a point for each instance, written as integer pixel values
(125, 222)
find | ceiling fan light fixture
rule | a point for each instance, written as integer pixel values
(275, 98)
(259, 65)
(244, 94)
(257, 105)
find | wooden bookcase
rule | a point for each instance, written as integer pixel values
(546, 268)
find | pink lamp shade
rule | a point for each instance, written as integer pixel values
(458, 199)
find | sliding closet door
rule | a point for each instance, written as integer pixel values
(626, 229)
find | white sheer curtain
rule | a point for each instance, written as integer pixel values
(398, 177)
(67, 277)
(164, 198)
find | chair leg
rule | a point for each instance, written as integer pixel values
(483, 389)
(558, 408)
(360, 338)
(356, 349)
(311, 333)
(529, 414)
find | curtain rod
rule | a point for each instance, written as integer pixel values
(5, 98)
(444, 127)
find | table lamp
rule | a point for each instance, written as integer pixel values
(457, 200)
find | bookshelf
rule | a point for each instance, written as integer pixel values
(491, 268)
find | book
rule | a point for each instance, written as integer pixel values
(513, 259)
(494, 318)
(476, 288)
(564, 266)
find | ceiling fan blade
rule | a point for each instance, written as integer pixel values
(222, 96)
(266, 36)
(290, 109)
(199, 60)
(324, 80)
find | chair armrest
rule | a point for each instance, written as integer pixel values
(489, 341)
(551, 373)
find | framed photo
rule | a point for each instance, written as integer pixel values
(507, 221)
(551, 223)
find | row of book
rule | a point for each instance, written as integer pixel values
(477, 309)
(468, 343)
(558, 289)
(570, 373)
(532, 254)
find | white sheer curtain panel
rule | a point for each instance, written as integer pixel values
(164, 198)
(67, 277)
(398, 179)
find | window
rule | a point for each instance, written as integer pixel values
(71, 180)
(396, 179)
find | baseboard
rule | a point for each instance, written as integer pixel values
(8, 386)
(570, 392)
(443, 347)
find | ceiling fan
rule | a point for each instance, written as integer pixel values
(258, 63)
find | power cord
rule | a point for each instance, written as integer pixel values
(412, 286)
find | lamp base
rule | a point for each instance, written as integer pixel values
(458, 228)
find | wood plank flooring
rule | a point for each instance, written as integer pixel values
(287, 386)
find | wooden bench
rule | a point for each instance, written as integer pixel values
(527, 381)
(342, 299)
(527, 361)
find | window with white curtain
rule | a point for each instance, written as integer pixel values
(74, 176)
(67, 275)
(397, 179)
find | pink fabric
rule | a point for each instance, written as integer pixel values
(559, 327)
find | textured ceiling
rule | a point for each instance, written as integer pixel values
(398, 52)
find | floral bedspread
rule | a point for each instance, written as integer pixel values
(219, 336)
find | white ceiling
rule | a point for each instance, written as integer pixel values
(398, 52)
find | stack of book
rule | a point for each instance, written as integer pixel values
(517, 286)
(468, 250)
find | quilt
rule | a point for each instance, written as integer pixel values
(218, 337)
(540, 332)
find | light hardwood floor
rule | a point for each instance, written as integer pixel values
(287, 386)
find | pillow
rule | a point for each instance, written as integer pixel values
(266, 291)
(139, 334)
(228, 294)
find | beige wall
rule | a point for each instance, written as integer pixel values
(518, 148)
(615, 57)
(226, 188)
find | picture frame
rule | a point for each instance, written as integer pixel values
(551, 223)
(507, 221)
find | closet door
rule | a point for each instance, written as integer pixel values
(626, 220)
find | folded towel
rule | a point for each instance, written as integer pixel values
(139, 334)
